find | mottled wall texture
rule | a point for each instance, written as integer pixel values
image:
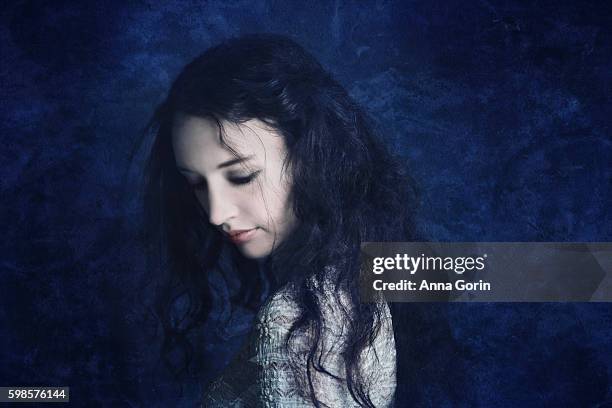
(501, 108)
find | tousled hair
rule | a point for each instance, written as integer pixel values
(346, 189)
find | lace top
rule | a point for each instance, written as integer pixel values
(262, 374)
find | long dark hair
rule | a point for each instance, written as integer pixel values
(347, 189)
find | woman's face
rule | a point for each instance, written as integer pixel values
(246, 192)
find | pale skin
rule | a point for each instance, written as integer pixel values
(244, 190)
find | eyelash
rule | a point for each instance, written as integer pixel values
(239, 181)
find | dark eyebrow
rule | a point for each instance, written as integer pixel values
(233, 161)
(222, 165)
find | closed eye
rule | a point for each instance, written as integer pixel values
(242, 180)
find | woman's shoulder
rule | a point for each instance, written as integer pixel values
(274, 323)
(281, 310)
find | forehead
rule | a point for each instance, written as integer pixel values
(200, 144)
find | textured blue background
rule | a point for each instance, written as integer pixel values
(501, 109)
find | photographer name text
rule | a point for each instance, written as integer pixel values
(424, 285)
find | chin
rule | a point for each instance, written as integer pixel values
(254, 252)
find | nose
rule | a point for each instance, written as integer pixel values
(218, 206)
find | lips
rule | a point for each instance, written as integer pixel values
(241, 236)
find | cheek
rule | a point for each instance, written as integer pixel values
(267, 203)
(277, 197)
(282, 210)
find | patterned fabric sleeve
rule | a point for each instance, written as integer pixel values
(278, 385)
(263, 375)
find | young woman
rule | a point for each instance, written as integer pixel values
(264, 167)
